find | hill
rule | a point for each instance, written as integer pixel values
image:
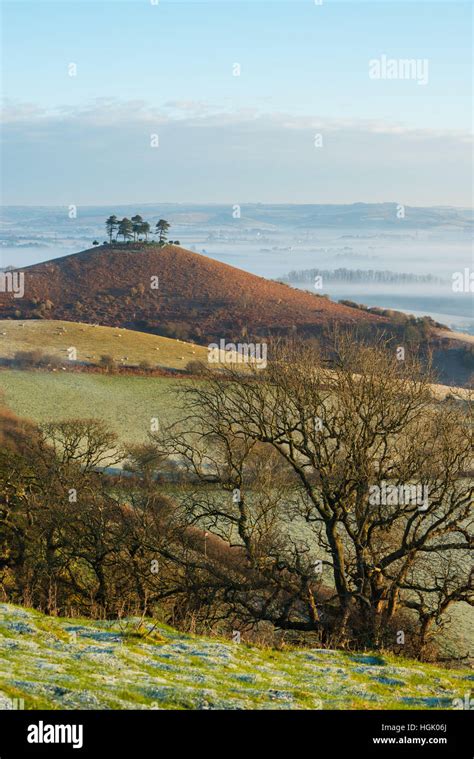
(125, 346)
(55, 663)
(170, 291)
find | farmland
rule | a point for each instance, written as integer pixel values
(126, 403)
(124, 346)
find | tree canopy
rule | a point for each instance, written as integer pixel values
(135, 228)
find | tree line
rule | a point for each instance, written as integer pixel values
(137, 229)
(360, 275)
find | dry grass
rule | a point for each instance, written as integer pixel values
(125, 346)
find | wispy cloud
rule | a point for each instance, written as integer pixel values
(110, 112)
(103, 152)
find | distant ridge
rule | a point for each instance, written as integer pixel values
(196, 298)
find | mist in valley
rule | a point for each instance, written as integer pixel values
(272, 241)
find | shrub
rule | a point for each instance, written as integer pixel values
(177, 330)
(195, 367)
(107, 362)
(352, 304)
(35, 358)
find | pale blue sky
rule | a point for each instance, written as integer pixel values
(167, 69)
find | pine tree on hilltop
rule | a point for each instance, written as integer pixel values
(162, 227)
(111, 225)
(125, 229)
(137, 222)
(145, 229)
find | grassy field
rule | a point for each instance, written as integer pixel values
(124, 345)
(126, 403)
(55, 663)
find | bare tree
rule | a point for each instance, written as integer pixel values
(372, 485)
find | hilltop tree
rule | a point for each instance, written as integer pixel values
(162, 227)
(125, 229)
(137, 222)
(134, 227)
(111, 225)
(145, 229)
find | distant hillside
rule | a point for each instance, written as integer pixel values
(39, 225)
(197, 298)
(54, 663)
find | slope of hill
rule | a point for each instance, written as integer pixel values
(55, 663)
(92, 341)
(172, 291)
(126, 403)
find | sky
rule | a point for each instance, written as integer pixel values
(144, 101)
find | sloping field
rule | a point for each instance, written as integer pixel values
(126, 403)
(55, 663)
(91, 342)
